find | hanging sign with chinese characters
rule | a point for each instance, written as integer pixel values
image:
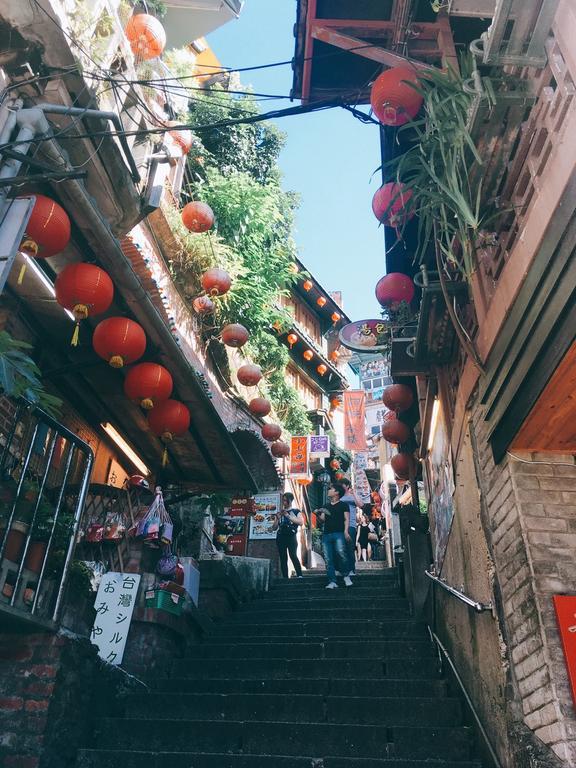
(366, 336)
(299, 456)
(355, 420)
(114, 607)
(319, 446)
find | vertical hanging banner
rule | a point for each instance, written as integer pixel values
(361, 484)
(354, 420)
(319, 446)
(299, 456)
(114, 607)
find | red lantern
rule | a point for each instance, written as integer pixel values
(259, 406)
(322, 369)
(216, 281)
(234, 335)
(395, 431)
(292, 339)
(339, 476)
(48, 229)
(391, 204)
(307, 285)
(203, 305)
(334, 402)
(321, 301)
(334, 464)
(403, 465)
(168, 420)
(85, 290)
(393, 97)
(249, 375)
(119, 341)
(149, 383)
(393, 289)
(183, 138)
(305, 481)
(334, 355)
(197, 217)
(308, 354)
(146, 36)
(271, 432)
(280, 449)
(398, 397)
(335, 316)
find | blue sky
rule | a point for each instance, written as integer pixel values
(329, 159)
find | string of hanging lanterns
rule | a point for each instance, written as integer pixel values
(47, 232)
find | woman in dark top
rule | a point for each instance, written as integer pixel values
(287, 523)
(362, 539)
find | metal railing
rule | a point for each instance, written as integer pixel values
(44, 476)
(470, 602)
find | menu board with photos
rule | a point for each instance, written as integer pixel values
(266, 507)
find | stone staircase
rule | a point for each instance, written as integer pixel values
(301, 678)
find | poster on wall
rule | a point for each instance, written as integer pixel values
(319, 446)
(299, 456)
(114, 607)
(355, 420)
(266, 507)
(230, 529)
(439, 474)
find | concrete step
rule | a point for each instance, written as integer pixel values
(300, 708)
(275, 738)
(373, 687)
(396, 608)
(89, 758)
(366, 579)
(329, 599)
(335, 629)
(275, 669)
(287, 592)
(325, 649)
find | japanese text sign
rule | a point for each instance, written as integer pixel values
(114, 607)
(299, 456)
(565, 606)
(319, 446)
(354, 420)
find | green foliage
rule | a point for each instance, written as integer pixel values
(20, 376)
(437, 169)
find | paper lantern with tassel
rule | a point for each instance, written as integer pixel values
(119, 341)
(395, 431)
(203, 305)
(271, 432)
(85, 290)
(393, 98)
(308, 354)
(197, 217)
(322, 369)
(234, 335)
(292, 339)
(149, 383)
(146, 36)
(397, 397)
(169, 420)
(390, 205)
(216, 282)
(47, 232)
(403, 465)
(393, 289)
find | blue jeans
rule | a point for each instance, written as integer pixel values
(351, 547)
(334, 544)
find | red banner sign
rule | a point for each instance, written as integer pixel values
(355, 420)
(565, 606)
(299, 456)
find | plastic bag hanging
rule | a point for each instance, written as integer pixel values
(155, 526)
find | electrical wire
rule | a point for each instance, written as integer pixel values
(548, 463)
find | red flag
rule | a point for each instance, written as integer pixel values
(354, 420)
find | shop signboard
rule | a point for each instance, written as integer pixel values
(240, 508)
(114, 607)
(266, 507)
(439, 475)
(319, 446)
(565, 607)
(299, 456)
(366, 336)
(361, 484)
(355, 420)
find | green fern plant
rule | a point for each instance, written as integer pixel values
(21, 377)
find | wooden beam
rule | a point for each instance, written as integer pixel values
(308, 46)
(361, 48)
(446, 42)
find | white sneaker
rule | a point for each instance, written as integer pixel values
(332, 585)
(347, 581)
(352, 573)
(337, 573)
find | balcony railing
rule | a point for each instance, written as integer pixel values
(44, 475)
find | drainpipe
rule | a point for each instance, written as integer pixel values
(30, 123)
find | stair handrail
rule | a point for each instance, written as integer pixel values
(469, 601)
(442, 650)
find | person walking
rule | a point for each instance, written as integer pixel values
(287, 522)
(353, 502)
(362, 542)
(336, 519)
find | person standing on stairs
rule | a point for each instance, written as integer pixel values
(287, 522)
(336, 519)
(353, 502)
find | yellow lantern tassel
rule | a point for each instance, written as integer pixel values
(75, 335)
(147, 403)
(165, 457)
(116, 361)
(22, 273)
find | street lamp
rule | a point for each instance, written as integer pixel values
(323, 477)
